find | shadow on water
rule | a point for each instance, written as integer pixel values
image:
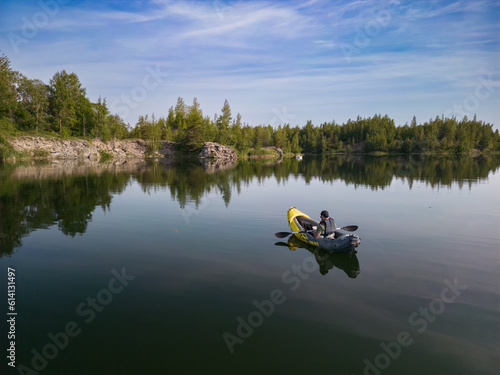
(327, 260)
(41, 195)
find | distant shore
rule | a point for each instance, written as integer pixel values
(27, 147)
(35, 147)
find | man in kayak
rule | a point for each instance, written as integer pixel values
(326, 225)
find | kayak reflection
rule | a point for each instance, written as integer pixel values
(347, 262)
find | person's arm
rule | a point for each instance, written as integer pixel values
(318, 231)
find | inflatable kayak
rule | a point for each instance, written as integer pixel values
(302, 226)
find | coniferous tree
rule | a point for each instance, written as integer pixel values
(280, 138)
(223, 123)
(85, 116)
(180, 119)
(193, 136)
(117, 128)
(169, 125)
(155, 134)
(32, 105)
(101, 113)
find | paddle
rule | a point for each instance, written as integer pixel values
(349, 228)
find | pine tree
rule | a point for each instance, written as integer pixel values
(192, 139)
(101, 113)
(223, 122)
(180, 119)
(85, 115)
(295, 146)
(280, 138)
(324, 145)
(155, 137)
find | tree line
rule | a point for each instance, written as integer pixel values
(62, 107)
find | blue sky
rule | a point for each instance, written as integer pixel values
(274, 61)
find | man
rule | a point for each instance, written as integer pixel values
(326, 225)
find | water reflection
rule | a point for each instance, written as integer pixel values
(34, 195)
(347, 262)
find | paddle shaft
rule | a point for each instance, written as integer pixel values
(349, 228)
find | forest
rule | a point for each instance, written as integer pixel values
(61, 108)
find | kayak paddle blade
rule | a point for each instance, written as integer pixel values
(282, 234)
(350, 228)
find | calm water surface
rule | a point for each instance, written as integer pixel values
(158, 268)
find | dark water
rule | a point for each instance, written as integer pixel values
(157, 268)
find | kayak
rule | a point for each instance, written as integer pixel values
(302, 226)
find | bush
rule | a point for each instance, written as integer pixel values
(260, 152)
(41, 153)
(7, 126)
(105, 155)
(6, 150)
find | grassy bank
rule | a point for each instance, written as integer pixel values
(258, 153)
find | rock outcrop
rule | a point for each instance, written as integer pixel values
(216, 151)
(79, 149)
(53, 148)
(276, 149)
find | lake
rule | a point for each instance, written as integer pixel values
(172, 267)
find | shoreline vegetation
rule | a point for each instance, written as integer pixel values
(61, 110)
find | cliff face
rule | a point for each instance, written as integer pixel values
(216, 151)
(52, 148)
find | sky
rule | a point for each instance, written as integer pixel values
(275, 62)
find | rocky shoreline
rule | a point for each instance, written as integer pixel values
(79, 149)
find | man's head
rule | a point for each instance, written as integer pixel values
(324, 214)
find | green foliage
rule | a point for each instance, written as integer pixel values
(40, 153)
(61, 109)
(117, 127)
(192, 138)
(65, 92)
(6, 150)
(33, 104)
(100, 117)
(105, 155)
(380, 134)
(7, 126)
(223, 122)
(8, 94)
(150, 130)
(259, 152)
(6, 129)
